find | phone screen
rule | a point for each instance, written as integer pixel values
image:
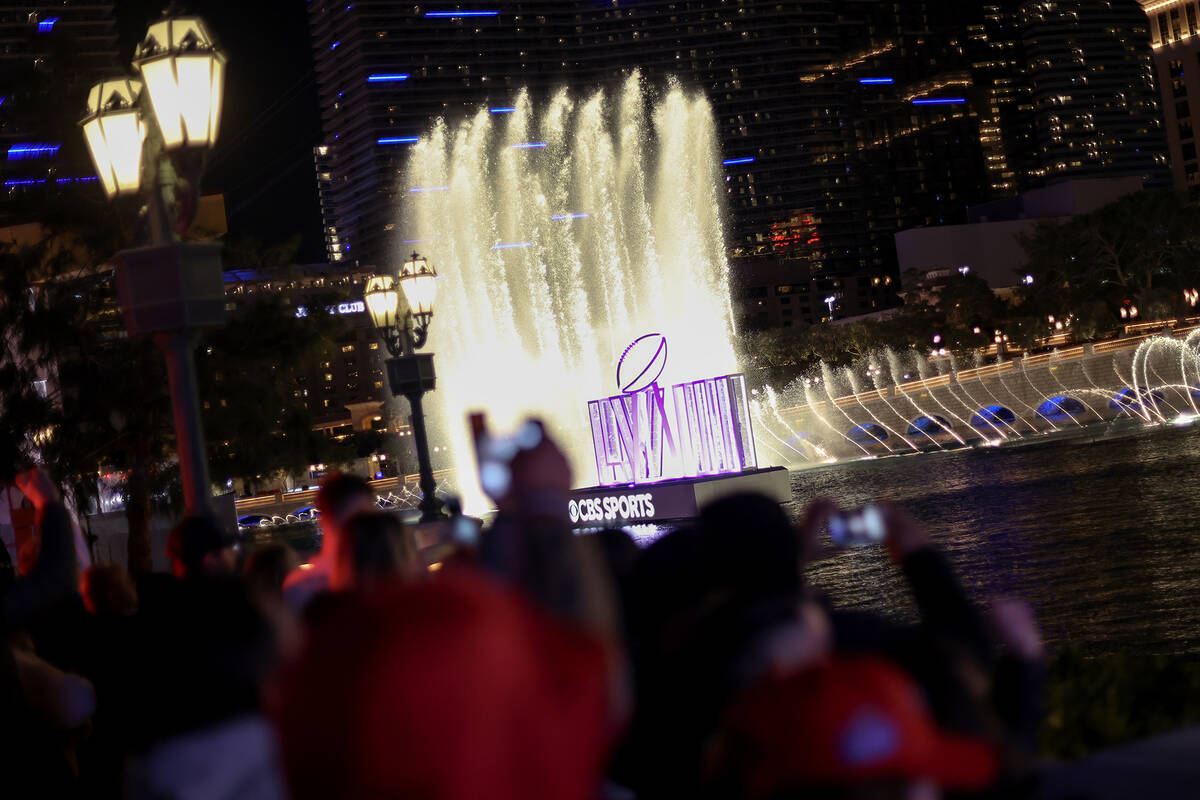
(857, 528)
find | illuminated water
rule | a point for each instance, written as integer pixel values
(879, 399)
(1101, 536)
(563, 233)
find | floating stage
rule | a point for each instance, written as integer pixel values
(665, 501)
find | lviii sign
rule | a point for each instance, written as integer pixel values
(648, 434)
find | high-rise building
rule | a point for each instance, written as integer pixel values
(50, 55)
(1096, 105)
(841, 123)
(385, 72)
(1007, 134)
(1175, 39)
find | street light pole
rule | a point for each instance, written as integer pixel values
(154, 141)
(179, 348)
(410, 374)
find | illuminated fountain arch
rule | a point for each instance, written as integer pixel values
(867, 433)
(1061, 408)
(991, 417)
(1132, 401)
(928, 425)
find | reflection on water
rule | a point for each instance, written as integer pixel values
(1100, 537)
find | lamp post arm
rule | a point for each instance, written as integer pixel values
(158, 183)
(416, 335)
(170, 183)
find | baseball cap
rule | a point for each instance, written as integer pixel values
(849, 720)
(453, 688)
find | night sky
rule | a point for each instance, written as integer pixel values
(262, 162)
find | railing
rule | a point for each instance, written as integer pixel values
(309, 496)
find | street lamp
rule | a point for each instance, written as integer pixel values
(114, 132)
(829, 301)
(151, 137)
(404, 329)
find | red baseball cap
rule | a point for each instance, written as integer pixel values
(849, 720)
(452, 688)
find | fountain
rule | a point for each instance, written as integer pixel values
(1095, 390)
(567, 231)
(563, 234)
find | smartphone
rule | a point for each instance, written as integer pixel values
(494, 454)
(464, 530)
(857, 528)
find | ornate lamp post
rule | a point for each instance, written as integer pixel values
(151, 137)
(404, 331)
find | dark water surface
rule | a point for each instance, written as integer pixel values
(1100, 536)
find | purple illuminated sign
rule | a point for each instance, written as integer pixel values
(647, 434)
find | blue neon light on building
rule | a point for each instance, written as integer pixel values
(390, 78)
(398, 140)
(419, 189)
(46, 25)
(504, 110)
(334, 46)
(870, 81)
(511, 245)
(742, 160)
(528, 145)
(572, 215)
(23, 150)
(938, 101)
(457, 14)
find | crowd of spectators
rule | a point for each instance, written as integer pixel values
(527, 662)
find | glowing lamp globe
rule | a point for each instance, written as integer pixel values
(383, 303)
(419, 282)
(114, 131)
(642, 362)
(184, 73)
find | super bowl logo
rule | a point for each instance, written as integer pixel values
(642, 362)
(645, 434)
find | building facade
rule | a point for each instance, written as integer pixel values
(385, 72)
(346, 392)
(1097, 111)
(1175, 39)
(841, 123)
(988, 245)
(49, 57)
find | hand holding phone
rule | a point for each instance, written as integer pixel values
(495, 454)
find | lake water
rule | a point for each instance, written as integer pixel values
(1101, 536)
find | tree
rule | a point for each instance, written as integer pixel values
(100, 397)
(1143, 247)
(255, 427)
(248, 251)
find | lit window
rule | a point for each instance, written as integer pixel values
(347, 348)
